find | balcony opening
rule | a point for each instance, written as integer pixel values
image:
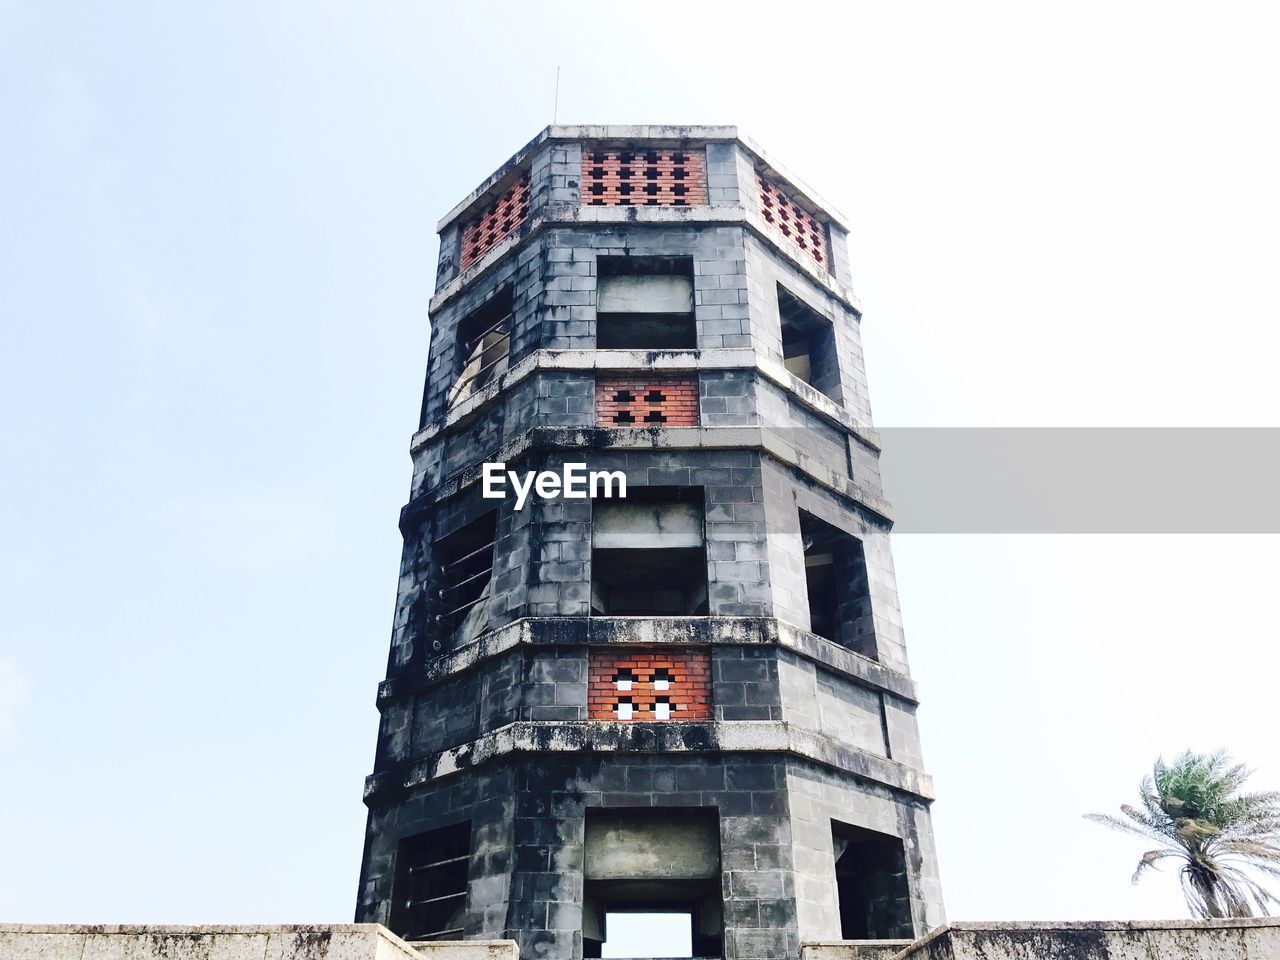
(466, 571)
(483, 346)
(836, 582)
(429, 889)
(648, 556)
(651, 884)
(871, 883)
(643, 934)
(645, 303)
(808, 345)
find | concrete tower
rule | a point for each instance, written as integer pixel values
(693, 699)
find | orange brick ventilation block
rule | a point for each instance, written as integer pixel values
(781, 211)
(649, 685)
(643, 178)
(497, 221)
(647, 402)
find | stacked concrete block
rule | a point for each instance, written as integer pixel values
(803, 748)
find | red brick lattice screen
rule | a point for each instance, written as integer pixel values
(649, 685)
(640, 178)
(780, 211)
(496, 222)
(647, 401)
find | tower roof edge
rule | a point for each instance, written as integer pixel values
(657, 133)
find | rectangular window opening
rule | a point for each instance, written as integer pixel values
(836, 582)
(429, 889)
(808, 345)
(462, 587)
(647, 934)
(483, 345)
(651, 884)
(871, 883)
(648, 557)
(645, 303)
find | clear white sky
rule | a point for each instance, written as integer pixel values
(216, 255)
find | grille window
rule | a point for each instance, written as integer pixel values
(430, 886)
(497, 221)
(785, 215)
(647, 401)
(659, 685)
(621, 177)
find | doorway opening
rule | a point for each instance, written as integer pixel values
(651, 884)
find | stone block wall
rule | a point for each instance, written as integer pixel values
(508, 722)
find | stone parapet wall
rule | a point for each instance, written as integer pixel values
(1252, 939)
(343, 941)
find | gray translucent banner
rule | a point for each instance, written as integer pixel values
(1082, 480)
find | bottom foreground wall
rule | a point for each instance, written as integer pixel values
(1102, 940)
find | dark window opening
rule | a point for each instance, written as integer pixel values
(654, 396)
(429, 890)
(623, 416)
(649, 583)
(648, 556)
(483, 346)
(644, 303)
(654, 416)
(836, 581)
(466, 570)
(659, 865)
(809, 345)
(871, 883)
(623, 396)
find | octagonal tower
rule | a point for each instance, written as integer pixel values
(691, 699)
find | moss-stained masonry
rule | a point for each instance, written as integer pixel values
(489, 723)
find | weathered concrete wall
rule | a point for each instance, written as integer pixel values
(468, 950)
(853, 949)
(489, 722)
(356, 941)
(1106, 940)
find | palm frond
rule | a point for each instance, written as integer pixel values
(1194, 807)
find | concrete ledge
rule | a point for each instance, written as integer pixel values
(468, 950)
(719, 215)
(773, 443)
(852, 949)
(1248, 939)
(347, 941)
(657, 135)
(650, 631)
(691, 737)
(683, 361)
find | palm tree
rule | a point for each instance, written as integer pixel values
(1194, 809)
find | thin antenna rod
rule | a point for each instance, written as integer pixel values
(555, 107)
